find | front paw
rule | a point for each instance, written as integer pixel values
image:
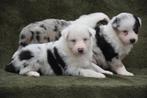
(90, 73)
(125, 73)
(108, 72)
(33, 74)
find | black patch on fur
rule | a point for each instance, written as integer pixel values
(136, 25)
(56, 28)
(102, 22)
(63, 23)
(40, 72)
(38, 36)
(59, 59)
(42, 26)
(10, 68)
(115, 23)
(48, 39)
(22, 36)
(25, 65)
(108, 51)
(23, 44)
(32, 36)
(56, 38)
(25, 55)
(59, 34)
(53, 63)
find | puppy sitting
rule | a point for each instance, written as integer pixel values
(115, 40)
(70, 55)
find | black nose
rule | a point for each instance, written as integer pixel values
(80, 50)
(132, 41)
(10, 68)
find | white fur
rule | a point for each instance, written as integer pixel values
(92, 19)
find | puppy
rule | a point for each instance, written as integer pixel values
(115, 40)
(50, 29)
(70, 55)
(42, 31)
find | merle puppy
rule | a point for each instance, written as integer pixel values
(42, 31)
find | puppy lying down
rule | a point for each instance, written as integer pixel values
(70, 55)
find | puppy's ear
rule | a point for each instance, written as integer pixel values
(115, 23)
(140, 21)
(92, 32)
(64, 33)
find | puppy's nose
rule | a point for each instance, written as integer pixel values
(80, 50)
(132, 41)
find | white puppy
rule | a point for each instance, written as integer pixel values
(70, 55)
(115, 40)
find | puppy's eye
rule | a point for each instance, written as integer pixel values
(125, 32)
(73, 40)
(85, 39)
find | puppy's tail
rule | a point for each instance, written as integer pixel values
(102, 22)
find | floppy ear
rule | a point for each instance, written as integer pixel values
(115, 23)
(92, 32)
(64, 33)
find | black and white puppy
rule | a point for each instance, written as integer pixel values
(115, 40)
(70, 55)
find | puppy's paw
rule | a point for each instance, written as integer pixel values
(91, 73)
(33, 74)
(100, 75)
(108, 72)
(125, 73)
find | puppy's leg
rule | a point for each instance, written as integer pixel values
(99, 69)
(90, 73)
(118, 67)
(33, 73)
(29, 72)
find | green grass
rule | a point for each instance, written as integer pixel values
(73, 87)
